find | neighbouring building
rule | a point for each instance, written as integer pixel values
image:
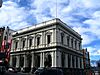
(86, 59)
(5, 43)
(51, 41)
(86, 62)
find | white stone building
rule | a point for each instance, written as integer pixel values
(52, 38)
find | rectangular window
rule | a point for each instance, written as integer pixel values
(48, 39)
(80, 63)
(68, 40)
(38, 41)
(76, 62)
(72, 42)
(76, 45)
(62, 38)
(69, 57)
(16, 44)
(30, 42)
(73, 61)
(23, 43)
(79, 46)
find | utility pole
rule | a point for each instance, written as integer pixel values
(1, 3)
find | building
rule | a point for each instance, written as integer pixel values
(51, 43)
(5, 37)
(5, 44)
(86, 61)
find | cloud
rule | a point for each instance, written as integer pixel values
(13, 16)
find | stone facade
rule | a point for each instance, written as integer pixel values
(53, 39)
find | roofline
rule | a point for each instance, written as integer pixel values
(46, 23)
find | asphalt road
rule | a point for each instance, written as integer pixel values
(10, 73)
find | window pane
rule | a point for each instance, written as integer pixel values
(62, 38)
(16, 44)
(38, 41)
(68, 40)
(30, 42)
(48, 39)
(23, 43)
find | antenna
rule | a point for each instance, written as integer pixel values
(56, 8)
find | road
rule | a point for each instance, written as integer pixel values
(10, 73)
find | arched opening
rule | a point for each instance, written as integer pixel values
(14, 61)
(29, 60)
(21, 61)
(48, 61)
(37, 60)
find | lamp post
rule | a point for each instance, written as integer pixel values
(1, 3)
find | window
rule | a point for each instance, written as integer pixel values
(69, 57)
(48, 39)
(38, 41)
(72, 42)
(73, 61)
(75, 44)
(63, 59)
(30, 42)
(23, 43)
(14, 61)
(80, 63)
(5, 37)
(79, 46)
(62, 38)
(68, 40)
(16, 44)
(76, 62)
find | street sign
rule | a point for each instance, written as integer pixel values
(0, 3)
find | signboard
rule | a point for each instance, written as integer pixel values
(0, 3)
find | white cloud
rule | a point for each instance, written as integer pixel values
(13, 16)
(93, 51)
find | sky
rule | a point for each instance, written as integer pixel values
(82, 15)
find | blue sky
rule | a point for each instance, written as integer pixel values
(82, 15)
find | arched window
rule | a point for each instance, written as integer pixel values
(21, 61)
(48, 60)
(14, 61)
(29, 57)
(38, 39)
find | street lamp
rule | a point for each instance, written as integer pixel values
(0, 3)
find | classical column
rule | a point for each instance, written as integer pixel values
(82, 63)
(53, 59)
(26, 43)
(19, 47)
(66, 60)
(43, 60)
(32, 64)
(41, 65)
(77, 45)
(74, 43)
(17, 61)
(71, 61)
(25, 61)
(70, 45)
(78, 62)
(74, 61)
(11, 60)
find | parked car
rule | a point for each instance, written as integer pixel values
(48, 71)
(12, 69)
